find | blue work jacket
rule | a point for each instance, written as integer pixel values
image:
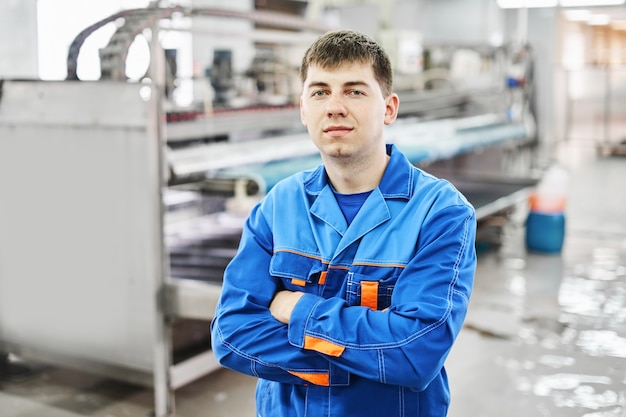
(385, 297)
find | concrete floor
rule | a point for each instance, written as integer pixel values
(545, 334)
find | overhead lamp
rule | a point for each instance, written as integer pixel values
(590, 3)
(577, 15)
(518, 4)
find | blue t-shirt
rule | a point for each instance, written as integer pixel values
(350, 204)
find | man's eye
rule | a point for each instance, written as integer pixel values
(318, 93)
(355, 92)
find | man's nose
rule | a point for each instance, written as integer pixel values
(336, 106)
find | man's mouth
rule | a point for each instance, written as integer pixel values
(337, 130)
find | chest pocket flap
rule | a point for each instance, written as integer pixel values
(297, 269)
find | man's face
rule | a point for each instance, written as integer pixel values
(344, 110)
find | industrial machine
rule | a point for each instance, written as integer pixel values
(119, 213)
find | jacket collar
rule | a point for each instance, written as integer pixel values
(397, 181)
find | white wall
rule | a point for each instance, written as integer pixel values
(543, 33)
(18, 34)
(460, 21)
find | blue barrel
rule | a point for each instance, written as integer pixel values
(545, 232)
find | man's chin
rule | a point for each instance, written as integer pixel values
(338, 151)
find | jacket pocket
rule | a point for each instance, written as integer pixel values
(297, 270)
(370, 292)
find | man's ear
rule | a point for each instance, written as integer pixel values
(302, 118)
(392, 103)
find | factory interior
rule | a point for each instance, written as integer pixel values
(136, 135)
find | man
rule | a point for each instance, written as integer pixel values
(353, 279)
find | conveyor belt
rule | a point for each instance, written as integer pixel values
(269, 160)
(490, 196)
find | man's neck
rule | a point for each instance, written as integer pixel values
(349, 177)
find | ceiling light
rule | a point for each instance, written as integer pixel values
(578, 15)
(589, 3)
(518, 4)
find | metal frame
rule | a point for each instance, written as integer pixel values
(82, 266)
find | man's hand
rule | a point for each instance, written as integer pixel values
(283, 303)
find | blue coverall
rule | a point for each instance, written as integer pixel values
(384, 298)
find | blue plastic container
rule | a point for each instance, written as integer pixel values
(545, 232)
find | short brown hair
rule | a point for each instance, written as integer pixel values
(338, 47)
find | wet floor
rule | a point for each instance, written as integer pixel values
(545, 334)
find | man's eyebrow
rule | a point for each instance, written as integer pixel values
(356, 83)
(317, 84)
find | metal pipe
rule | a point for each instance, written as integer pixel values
(163, 394)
